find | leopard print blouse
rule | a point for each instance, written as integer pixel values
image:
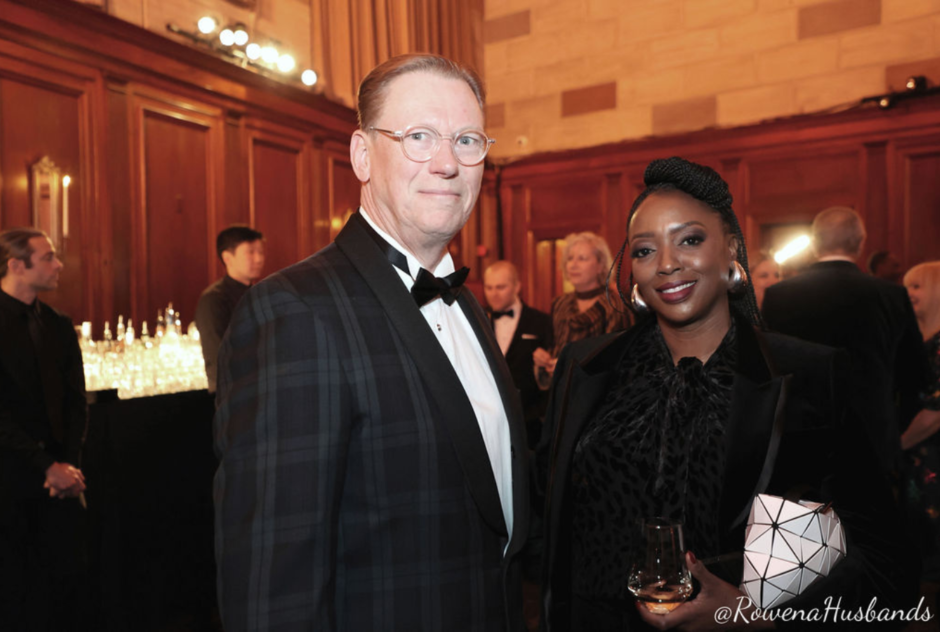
(654, 448)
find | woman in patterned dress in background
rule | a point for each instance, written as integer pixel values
(921, 437)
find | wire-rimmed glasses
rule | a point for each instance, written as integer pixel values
(420, 143)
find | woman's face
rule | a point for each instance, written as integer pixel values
(765, 274)
(918, 296)
(583, 267)
(682, 258)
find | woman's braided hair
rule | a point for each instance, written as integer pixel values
(703, 184)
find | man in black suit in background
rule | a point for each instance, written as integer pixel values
(836, 304)
(520, 330)
(373, 461)
(43, 417)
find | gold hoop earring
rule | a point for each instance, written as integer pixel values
(737, 279)
(636, 300)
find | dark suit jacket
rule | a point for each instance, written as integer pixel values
(836, 304)
(533, 330)
(781, 383)
(355, 491)
(28, 445)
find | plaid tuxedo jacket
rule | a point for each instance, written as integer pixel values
(354, 490)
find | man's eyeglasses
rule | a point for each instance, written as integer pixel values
(422, 143)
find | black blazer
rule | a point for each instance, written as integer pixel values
(836, 304)
(28, 445)
(533, 330)
(786, 431)
(355, 491)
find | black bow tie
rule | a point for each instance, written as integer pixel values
(508, 312)
(428, 287)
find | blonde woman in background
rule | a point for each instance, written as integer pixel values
(586, 312)
(921, 437)
(923, 286)
(763, 275)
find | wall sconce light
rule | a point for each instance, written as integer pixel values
(792, 249)
(235, 45)
(207, 25)
(916, 83)
(241, 34)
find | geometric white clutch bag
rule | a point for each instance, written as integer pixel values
(787, 547)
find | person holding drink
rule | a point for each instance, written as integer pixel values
(585, 312)
(678, 423)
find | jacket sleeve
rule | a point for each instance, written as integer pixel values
(17, 442)
(75, 403)
(879, 564)
(209, 322)
(282, 431)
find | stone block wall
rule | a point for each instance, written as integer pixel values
(574, 73)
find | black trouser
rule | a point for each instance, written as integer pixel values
(43, 569)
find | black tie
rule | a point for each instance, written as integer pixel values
(428, 287)
(52, 389)
(508, 312)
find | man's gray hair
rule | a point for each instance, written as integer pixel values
(838, 231)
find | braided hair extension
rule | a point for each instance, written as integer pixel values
(704, 184)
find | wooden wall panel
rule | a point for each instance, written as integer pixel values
(39, 120)
(344, 193)
(177, 204)
(919, 203)
(277, 173)
(884, 164)
(146, 125)
(118, 182)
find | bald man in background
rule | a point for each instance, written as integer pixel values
(520, 330)
(836, 304)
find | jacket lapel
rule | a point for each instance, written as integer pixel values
(583, 384)
(521, 325)
(456, 412)
(756, 424)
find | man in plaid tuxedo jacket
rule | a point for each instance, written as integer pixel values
(372, 444)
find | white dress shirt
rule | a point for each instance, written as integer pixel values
(463, 349)
(505, 327)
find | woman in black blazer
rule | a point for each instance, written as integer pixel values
(689, 415)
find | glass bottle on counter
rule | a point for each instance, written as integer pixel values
(160, 329)
(129, 335)
(145, 336)
(107, 342)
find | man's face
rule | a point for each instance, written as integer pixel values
(246, 262)
(422, 202)
(500, 289)
(43, 273)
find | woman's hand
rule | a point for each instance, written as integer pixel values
(718, 606)
(543, 360)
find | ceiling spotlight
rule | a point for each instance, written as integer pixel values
(241, 35)
(227, 37)
(309, 77)
(286, 63)
(916, 83)
(884, 103)
(269, 54)
(253, 51)
(206, 25)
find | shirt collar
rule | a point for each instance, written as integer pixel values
(227, 280)
(445, 267)
(15, 305)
